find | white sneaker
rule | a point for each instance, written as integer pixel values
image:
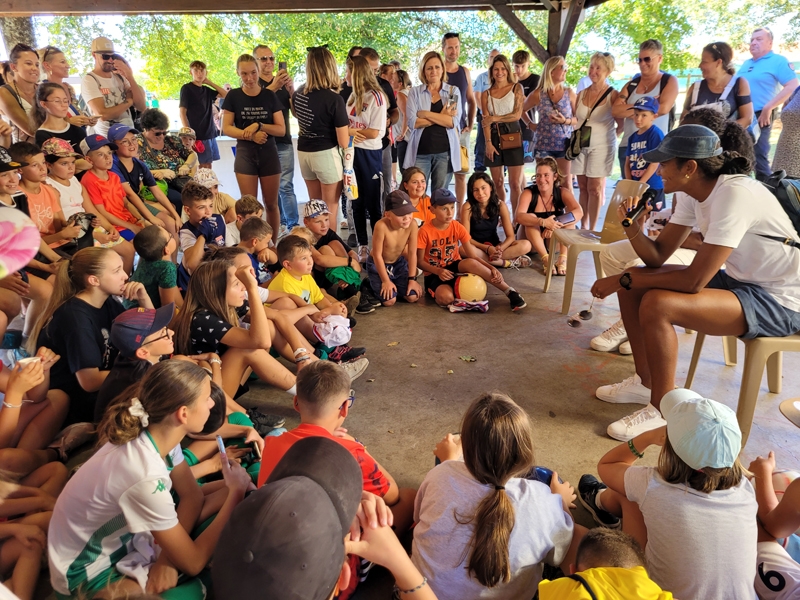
(644, 419)
(363, 253)
(628, 391)
(283, 231)
(356, 368)
(611, 338)
(625, 348)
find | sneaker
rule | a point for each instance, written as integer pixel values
(352, 241)
(625, 348)
(369, 294)
(283, 232)
(644, 419)
(588, 487)
(344, 353)
(521, 262)
(364, 306)
(628, 391)
(356, 368)
(352, 303)
(264, 423)
(517, 301)
(72, 437)
(343, 225)
(611, 338)
(363, 254)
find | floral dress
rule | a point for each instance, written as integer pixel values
(552, 137)
(787, 152)
(172, 156)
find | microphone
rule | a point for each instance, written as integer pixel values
(645, 201)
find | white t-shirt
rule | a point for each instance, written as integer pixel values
(699, 546)
(71, 196)
(736, 211)
(112, 90)
(373, 116)
(232, 234)
(542, 533)
(120, 491)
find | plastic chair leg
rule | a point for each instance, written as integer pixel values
(548, 276)
(698, 348)
(774, 372)
(729, 350)
(755, 360)
(689, 331)
(598, 266)
(572, 266)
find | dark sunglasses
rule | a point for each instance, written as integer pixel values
(105, 56)
(159, 133)
(310, 48)
(644, 59)
(267, 58)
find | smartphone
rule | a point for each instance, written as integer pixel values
(223, 453)
(566, 218)
(256, 450)
(282, 65)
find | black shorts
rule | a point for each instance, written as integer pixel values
(508, 158)
(260, 160)
(432, 281)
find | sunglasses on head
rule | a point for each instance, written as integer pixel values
(310, 48)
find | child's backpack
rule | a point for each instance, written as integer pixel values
(634, 83)
(787, 191)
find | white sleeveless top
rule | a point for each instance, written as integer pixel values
(499, 107)
(71, 196)
(661, 122)
(604, 127)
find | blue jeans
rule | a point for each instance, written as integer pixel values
(438, 168)
(287, 201)
(763, 168)
(480, 147)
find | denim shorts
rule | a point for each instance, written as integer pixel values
(764, 316)
(550, 153)
(211, 152)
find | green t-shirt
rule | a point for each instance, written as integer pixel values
(154, 275)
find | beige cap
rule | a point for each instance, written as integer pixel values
(102, 44)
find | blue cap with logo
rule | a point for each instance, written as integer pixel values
(647, 103)
(94, 142)
(118, 131)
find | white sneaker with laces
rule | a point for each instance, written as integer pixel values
(625, 348)
(611, 338)
(628, 391)
(644, 419)
(356, 368)
(363, 253)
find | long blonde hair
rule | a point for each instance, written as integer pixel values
(546, 83)
(498, 445)
(70, 280)
(321, 71)
(364, 82)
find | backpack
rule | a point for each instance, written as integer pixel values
(634, 83)
(787, 191)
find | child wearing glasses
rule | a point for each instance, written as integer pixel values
(324, 399)
(50, 118)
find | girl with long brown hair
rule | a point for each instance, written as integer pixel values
(18, 97)
(50, 117)
(483, 530)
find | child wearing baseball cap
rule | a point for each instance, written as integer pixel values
(695, 513)
(224, 204)
(389, 274)
(646, 137)
(438, 255)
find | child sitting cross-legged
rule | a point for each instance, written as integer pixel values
(247, 206)
(695, 513)
(392, 266)
(156, 271)
(256, 235)
(439, 257)
(609, 564)
(324, 399)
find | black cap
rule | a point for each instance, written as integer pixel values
(7, 163)
(442, 197)
(399, 203)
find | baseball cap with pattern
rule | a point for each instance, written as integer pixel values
(646, 103)
(130, 328)
(7, 163)
(186, 131)
(58, 147)
(314, 209)
(206, 178)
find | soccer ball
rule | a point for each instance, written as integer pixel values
(470, 287)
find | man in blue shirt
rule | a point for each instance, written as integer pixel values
(766, 73)
(481, 84)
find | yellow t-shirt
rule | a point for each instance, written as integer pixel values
(223, 202)
(306, 287)
(608, 583)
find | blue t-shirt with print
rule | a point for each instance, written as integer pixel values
(638, 144)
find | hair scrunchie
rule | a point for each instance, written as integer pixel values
(137, 410)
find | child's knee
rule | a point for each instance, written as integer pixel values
(282, 304)
(389, 302)
(444, 295)
(412, 298)
(469, 265)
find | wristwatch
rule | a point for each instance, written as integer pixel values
(625, 281)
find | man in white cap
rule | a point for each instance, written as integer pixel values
(110, 89)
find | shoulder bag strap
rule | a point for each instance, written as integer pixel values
(596, 104)
(695, 92)
(584, 583)
(726, 92)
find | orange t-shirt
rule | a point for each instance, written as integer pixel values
(423, 212)
(441, 246)
(276, 446)
(43, 208)
(110, 194)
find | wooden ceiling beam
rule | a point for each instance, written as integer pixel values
(568, 30)
(522, 31)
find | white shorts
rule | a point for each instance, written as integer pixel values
(325, 165)
(595, 161)
(777, 574)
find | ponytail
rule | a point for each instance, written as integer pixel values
(164, 389)
(70, 280)
(497, 443)
(735, 138)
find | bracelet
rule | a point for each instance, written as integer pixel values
(412, 590)
(302, 358)
(630, 239)
(216, 361)
(300, 351)
(634, 450)
(6, 404)
(349, 261)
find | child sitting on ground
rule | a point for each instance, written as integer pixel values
(438, 255)
(324, 399)
(255, 235)
(392, 266)
(224, 204)
(483, 529)
(156, 271)
(203, 227)
(480, 216)
(609, 564)
(105, 189)
(336, 266)
(646, 137)
(414, 184)
(247, 206)
(694, 512)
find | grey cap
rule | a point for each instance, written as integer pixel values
(686, 141)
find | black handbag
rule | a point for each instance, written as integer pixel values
(582, 136)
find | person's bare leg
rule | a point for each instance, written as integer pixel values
(331, 192)
(269, 191)
(314, 188)
(583, 200)
(10, 307)
(25, 563)
(713, 312)
(22, 462)
(565, 167)
(632, 519)
(403, 511)
(499, 182)
(514, 183)
(248, 184)
(595, 187)
(517, 248)
(535, 238)
(45, 422)
(461, 187)
(469, 265)
(269, 370)
(50, 478)
(444, 295)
